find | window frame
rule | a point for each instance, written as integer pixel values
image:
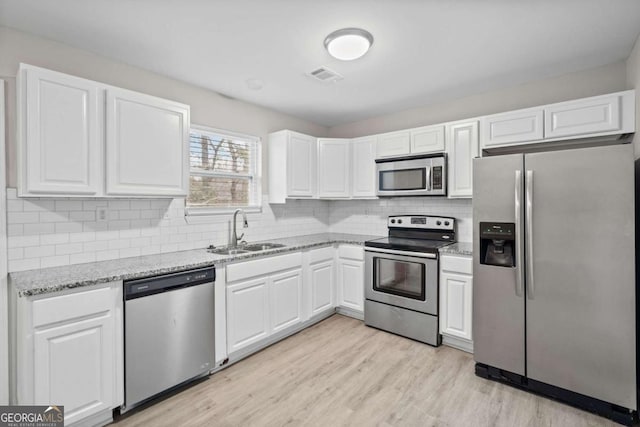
(200, 211)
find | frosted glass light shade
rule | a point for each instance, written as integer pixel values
(348, 43)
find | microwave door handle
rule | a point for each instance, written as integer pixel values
(429, 184)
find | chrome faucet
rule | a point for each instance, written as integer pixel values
(234, 237)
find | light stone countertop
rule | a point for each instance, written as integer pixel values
(458, 248)
(48, 280)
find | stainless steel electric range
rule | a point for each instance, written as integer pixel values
(401, 276)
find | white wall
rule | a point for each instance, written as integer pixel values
(606, 79)
(633, 82)
(207, 108)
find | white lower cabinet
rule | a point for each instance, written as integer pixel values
(351, 278)
(285, 295)
(456, 291)
(70, 352)
(321, 283)
(247, 312)
(264, 297)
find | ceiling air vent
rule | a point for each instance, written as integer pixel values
(324, 74)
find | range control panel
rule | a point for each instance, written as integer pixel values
(421, 222)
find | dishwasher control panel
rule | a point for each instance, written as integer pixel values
(138, 288)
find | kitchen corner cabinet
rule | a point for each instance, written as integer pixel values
(334, 168)
(60, 139)
(292, 166)
(456, 291)
(462, 148)
(145, 140)
(69, 351)
(80, 138)
(264, 296)
(351, 279)
(363, 168)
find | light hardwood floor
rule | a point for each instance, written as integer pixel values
(343, 373)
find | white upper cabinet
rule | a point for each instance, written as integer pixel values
(63, 128)
(394, 144)
(60, 134)
(595, 115)
(512, 127)
(147, 145)
(334, 168)
(428, 139)
(363, 168)
(462, 147)
(293, 161)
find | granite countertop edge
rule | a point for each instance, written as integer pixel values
(54, 279)
(458, 248)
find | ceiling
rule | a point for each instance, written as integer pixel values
(424, 51)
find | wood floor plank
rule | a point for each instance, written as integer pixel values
(343, 373)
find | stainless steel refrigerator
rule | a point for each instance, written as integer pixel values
(554, 304)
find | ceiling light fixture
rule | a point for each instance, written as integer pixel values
(348, 43)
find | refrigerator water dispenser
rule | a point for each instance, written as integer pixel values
(497, 243)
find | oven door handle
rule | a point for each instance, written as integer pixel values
(405, 253)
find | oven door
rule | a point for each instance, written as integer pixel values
(404, 279)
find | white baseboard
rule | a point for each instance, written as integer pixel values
(356, 314)
(459, 343)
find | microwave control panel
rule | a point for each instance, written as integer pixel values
(436, 179)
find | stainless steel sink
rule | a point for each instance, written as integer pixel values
(227, 251)
(262, 247)
(255, 247)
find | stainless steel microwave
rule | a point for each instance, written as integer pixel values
(424, 175)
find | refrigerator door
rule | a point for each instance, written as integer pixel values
(498, 296)
(580, 281)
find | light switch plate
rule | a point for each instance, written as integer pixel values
(102, 214)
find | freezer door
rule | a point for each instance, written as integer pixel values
(498, 296)
(580, 277)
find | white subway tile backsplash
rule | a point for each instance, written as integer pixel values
(45, 232)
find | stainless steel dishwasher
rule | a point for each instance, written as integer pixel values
(169, 332)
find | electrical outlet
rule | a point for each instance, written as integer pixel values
(102, 214)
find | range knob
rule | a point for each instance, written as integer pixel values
(446, 223)
(399, 221)
(438, 222)
(393, 221)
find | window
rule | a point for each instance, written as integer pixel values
(224, 171)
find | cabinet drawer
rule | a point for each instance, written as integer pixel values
(351, 252)
(457, 264)
(322, 254)
(71, 306)
(263, 266)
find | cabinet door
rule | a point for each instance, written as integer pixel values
(456, 305)
(286, 299)
(334, 168)
(147, 145)
(322, 287)
(247, 313)
(301, 165)
(74, 367)
(393, 144)
(428, 139)
(351, 284)
(585, 116)
(363, 167)
(512, 128)
(60, 139)
(462, 147)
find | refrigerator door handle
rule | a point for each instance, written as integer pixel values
(529, 233)
(518, 212)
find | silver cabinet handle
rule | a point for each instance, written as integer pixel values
(519, 234)
(529, 235)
